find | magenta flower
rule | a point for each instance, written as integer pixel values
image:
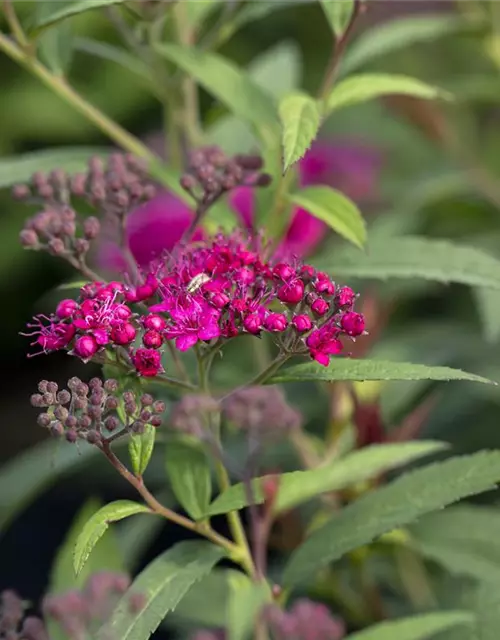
(158, 225)
(192, 321)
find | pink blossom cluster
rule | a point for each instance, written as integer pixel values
(207, 291)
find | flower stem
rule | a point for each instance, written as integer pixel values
(14, 24)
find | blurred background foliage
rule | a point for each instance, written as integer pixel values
(440, 178)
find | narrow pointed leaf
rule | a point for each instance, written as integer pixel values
(338, 13)
(415, 257)
(419, 627)
(367, 86)
(300, 118)
(246, 600)
(140, 448)
(488, 306)
(397, 504)
(331, 206)
(189, 473)
(97, 525)
(69, 10)
(56, 46)
(160, 586)
(349, 369)
(299, 486)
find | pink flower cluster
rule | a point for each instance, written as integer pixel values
(207, 291)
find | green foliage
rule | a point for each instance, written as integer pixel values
(398, 503)
(246, 600)
(188, 470)
(96, 526)
(55, 46)
(338, 14)
(160, 587)
(300, 118)
(58, 14)
(414, 628)
(140, 449)
(339, 213)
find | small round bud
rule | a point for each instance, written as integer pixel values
(95, 383)
(145, 415)
(111, 385)
(95, 412)
(94, 437)
(61, 413)
(44, 420)
(73, 383)
(48, 399)
(42, 386)
(188, 182)
(20, 192)
(57, 430)
(130, 408)
(154, 323)
(81, 246)
(156, 421)
(159, 406)
(80, 403)
(96, 398)
(249, 163)
(85, 422)
(56, 247)
(86, 347)
(37, 400)
(91, 227)
(52, 387)
(146, 400)
(63, 397)
(152, 340)
(111, 403)
(28, 238)
(128, 396)
(71, 435)
(71, 422)
(82, 389)
(111, 423)
(263, 180)
(138, 426)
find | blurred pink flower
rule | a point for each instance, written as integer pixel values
(158, 225)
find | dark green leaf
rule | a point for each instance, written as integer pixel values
(414, 257)
(55, 46)
(338, 13)
(189, 473)
(161, 585)
(419, 627)
(97, 525)
(69, 10)
(403, 501)
(349, 369)
(331, 206)
(140, 448)
(300, 118)
(488, 303)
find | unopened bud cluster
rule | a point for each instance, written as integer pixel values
(14, 625)
(190, 414)
(95, 411)
(305, 620)
(211, 173)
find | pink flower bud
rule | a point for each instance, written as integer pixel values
(245, 276)
(276, 322)
(123, 333)
(66, 309)
(122, 312)
(85, 347)
(219, 300)
(292, 292)
(147, 362)
(152, 339)
(154, 322)
(346, 297)
(324, 286)
(283, 271)
(353, 323)
(302, 323)
(320, 307)
(252, 323)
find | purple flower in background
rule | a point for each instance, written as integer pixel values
(158, 225)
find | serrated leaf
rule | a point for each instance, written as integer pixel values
(300, 118)
(55, 46)
(298, 486)
(96, 527)
(229, 84)
(140, 448)
(161, 586)
(331, 206)
(19, 169)
(190, 477)
(397, 504)
(367, 86)
(338, 13)
(245, 604)
(63, 13)
(350, 369)
(394, 35)
(415, 257)
(415, 627)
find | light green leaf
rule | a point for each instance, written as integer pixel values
(140, 448)
(229, 84)
(397, 504)
(419, 627)
(198, 12)
(76, 284)
(161, 586)
(368, 86)
(96, 527)
(298, 486)
(189, 473)
(488, 305)
(487, 612)
(338, 13)
(350, 369)
(69, 10)
(300, 119)
(331, 206)
(245, 604)
(394, 35)
(414, 257)
(136, 535)
(19, 169)
(56, 46)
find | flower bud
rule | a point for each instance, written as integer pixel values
(252, 323)
(85, 347)
(320, 307)
(353, 323)
(302, 323)
(123, 333)
(276, 322)
(292, 292)
(152, 340)
(28, 238)
(66, 309)
(91, 227)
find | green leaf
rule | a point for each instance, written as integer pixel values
(229, 84)
(368, 86)
(97, 525)
(140, 448)
(331, 206)
(136, 535)
(487, 612)
(415, 627)
(488, 305)
(403, 501)
(55, 46)
(245, 604)
(350, 369)
(414, 257)
(161, 585)
(300, 118)
(338, 13)
(298, 486)
(198, 12)
(18, 169)
(28, 474)
(189, 473)
(71, 9)
(394, 35)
